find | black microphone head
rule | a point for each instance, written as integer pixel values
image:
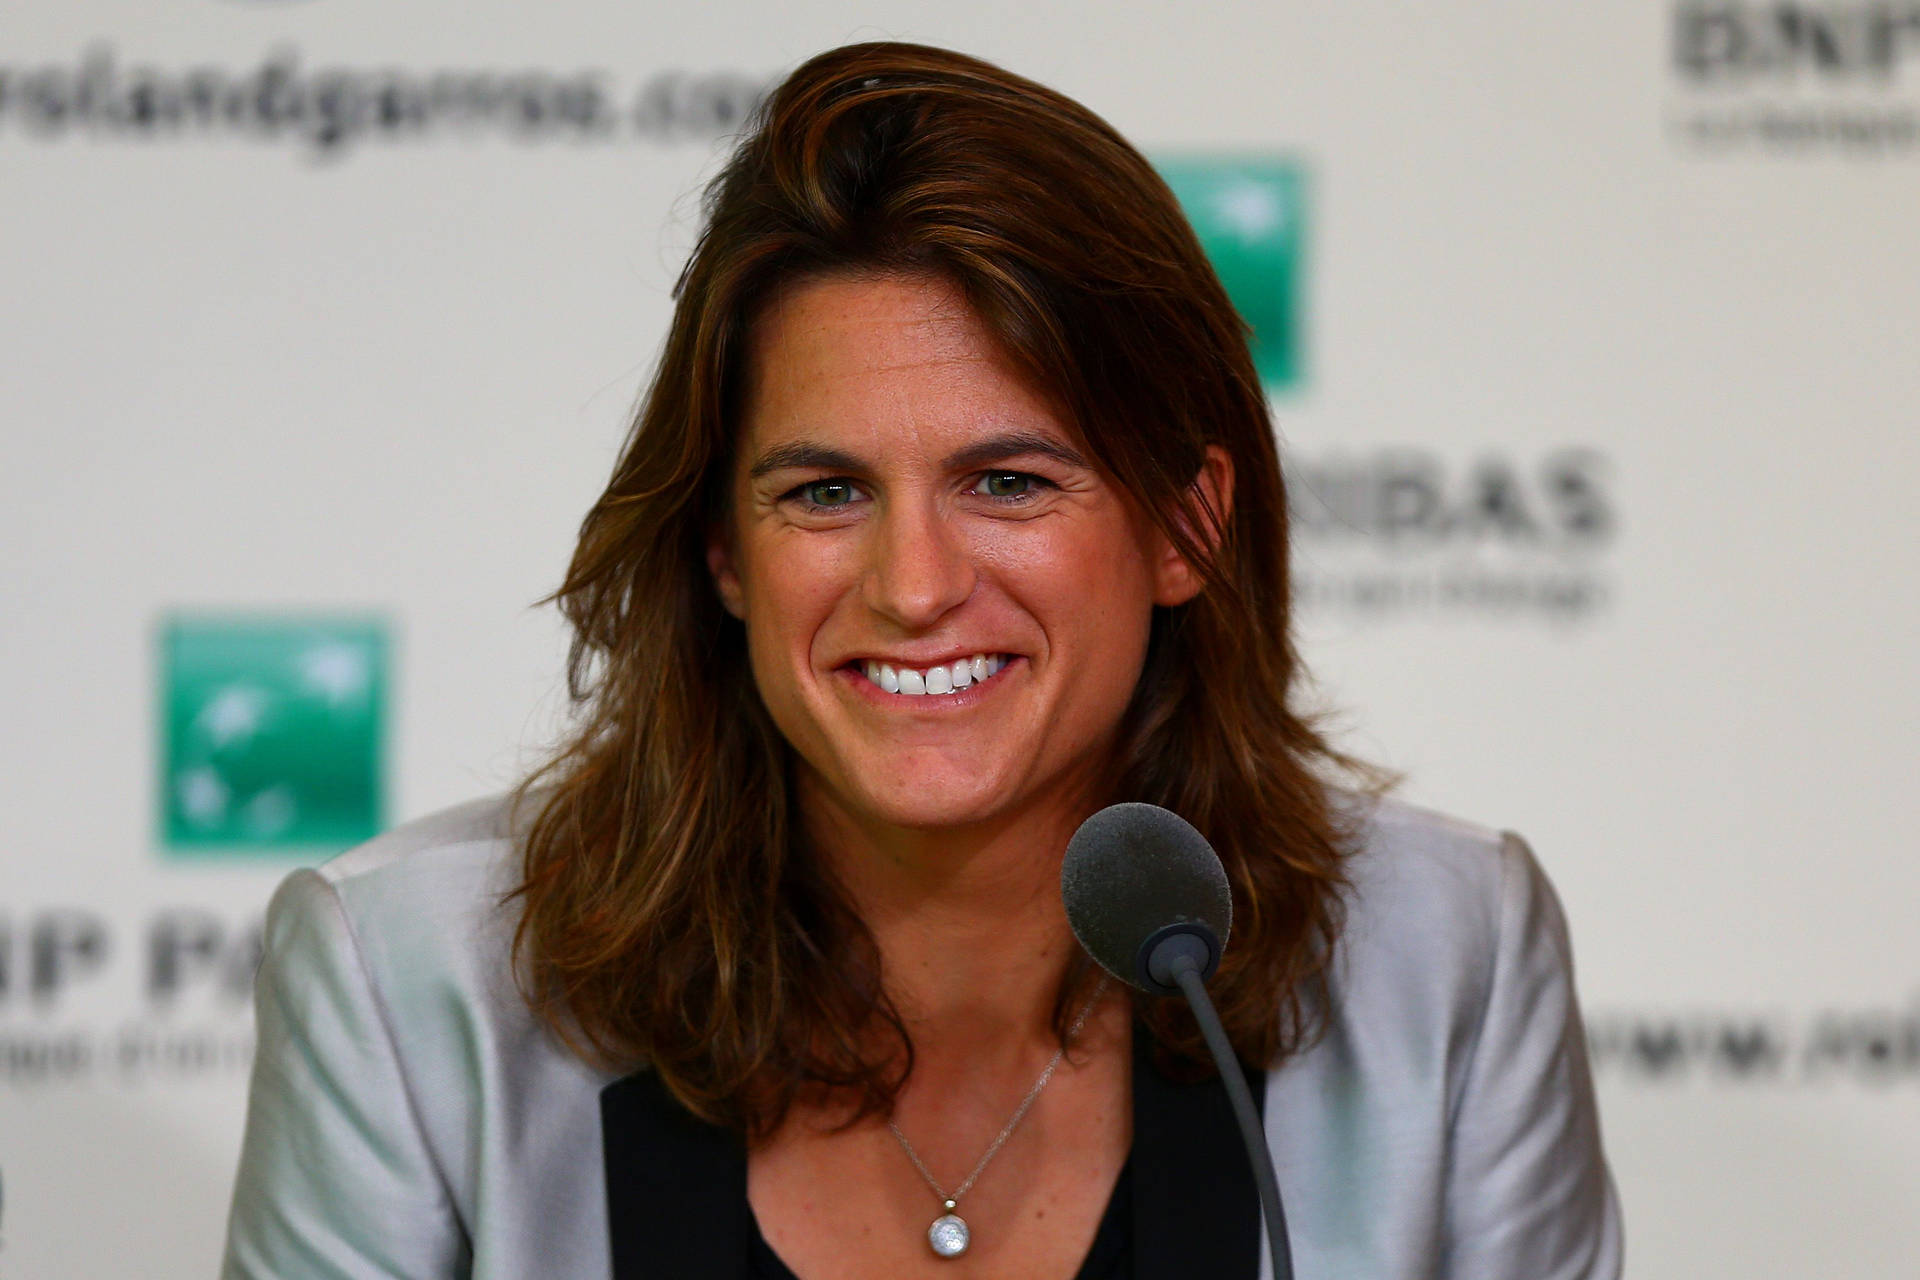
(1136, 874)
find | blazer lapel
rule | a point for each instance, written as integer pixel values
(676, 1186)
(1196, 1210)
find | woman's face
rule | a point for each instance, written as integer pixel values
(946, 603)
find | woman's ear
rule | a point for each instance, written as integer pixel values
(726, 579)
(1175, 580)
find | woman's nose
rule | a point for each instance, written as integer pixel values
(920, 567)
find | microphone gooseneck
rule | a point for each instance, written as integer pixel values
(1148, 899)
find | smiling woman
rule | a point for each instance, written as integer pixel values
(950, 378)
(953, 515)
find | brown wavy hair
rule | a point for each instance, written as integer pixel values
(671, 912)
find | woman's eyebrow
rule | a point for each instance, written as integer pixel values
(803, 454)
(811, 455)
(1011, 444)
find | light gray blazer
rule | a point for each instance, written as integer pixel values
(409, 1119)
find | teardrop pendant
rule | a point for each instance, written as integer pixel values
(949, 1235)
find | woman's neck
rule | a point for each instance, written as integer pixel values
(973, 939)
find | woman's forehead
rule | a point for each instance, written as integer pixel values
(884, 362)
(865, 327)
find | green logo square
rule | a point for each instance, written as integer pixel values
(272, 731)
(1250, 215)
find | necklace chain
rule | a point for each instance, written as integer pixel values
(1020, 1113)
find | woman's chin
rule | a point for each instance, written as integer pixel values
(935, 813)
(928, 800)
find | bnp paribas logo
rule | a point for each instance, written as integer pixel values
(272, 732)
(1249, 213)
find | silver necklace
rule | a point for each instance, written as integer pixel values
(949, 1234)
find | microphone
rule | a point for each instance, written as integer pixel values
(1148, 899)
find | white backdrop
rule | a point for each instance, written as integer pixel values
(1604, 434)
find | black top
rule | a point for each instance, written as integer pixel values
(1185, 1204)
(1109, 1258)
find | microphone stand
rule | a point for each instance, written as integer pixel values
(1174, 963)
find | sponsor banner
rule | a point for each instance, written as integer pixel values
(325, 110)
(1494, 534)
(273, 732)
(1876, 1047)
(1250, 215)
(1796, 79)
(90, 998)
(1598, 442)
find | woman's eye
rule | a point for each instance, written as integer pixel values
(827, 493)
(1006, 484)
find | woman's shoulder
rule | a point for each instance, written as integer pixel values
(420, 914)
(432, 887)
(1452, 883)
(402, 1082)
(1451, 1081)
(468, 846)
(1438, 911)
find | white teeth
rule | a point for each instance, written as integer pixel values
(934, 681)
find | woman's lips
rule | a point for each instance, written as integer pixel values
(960, 680)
